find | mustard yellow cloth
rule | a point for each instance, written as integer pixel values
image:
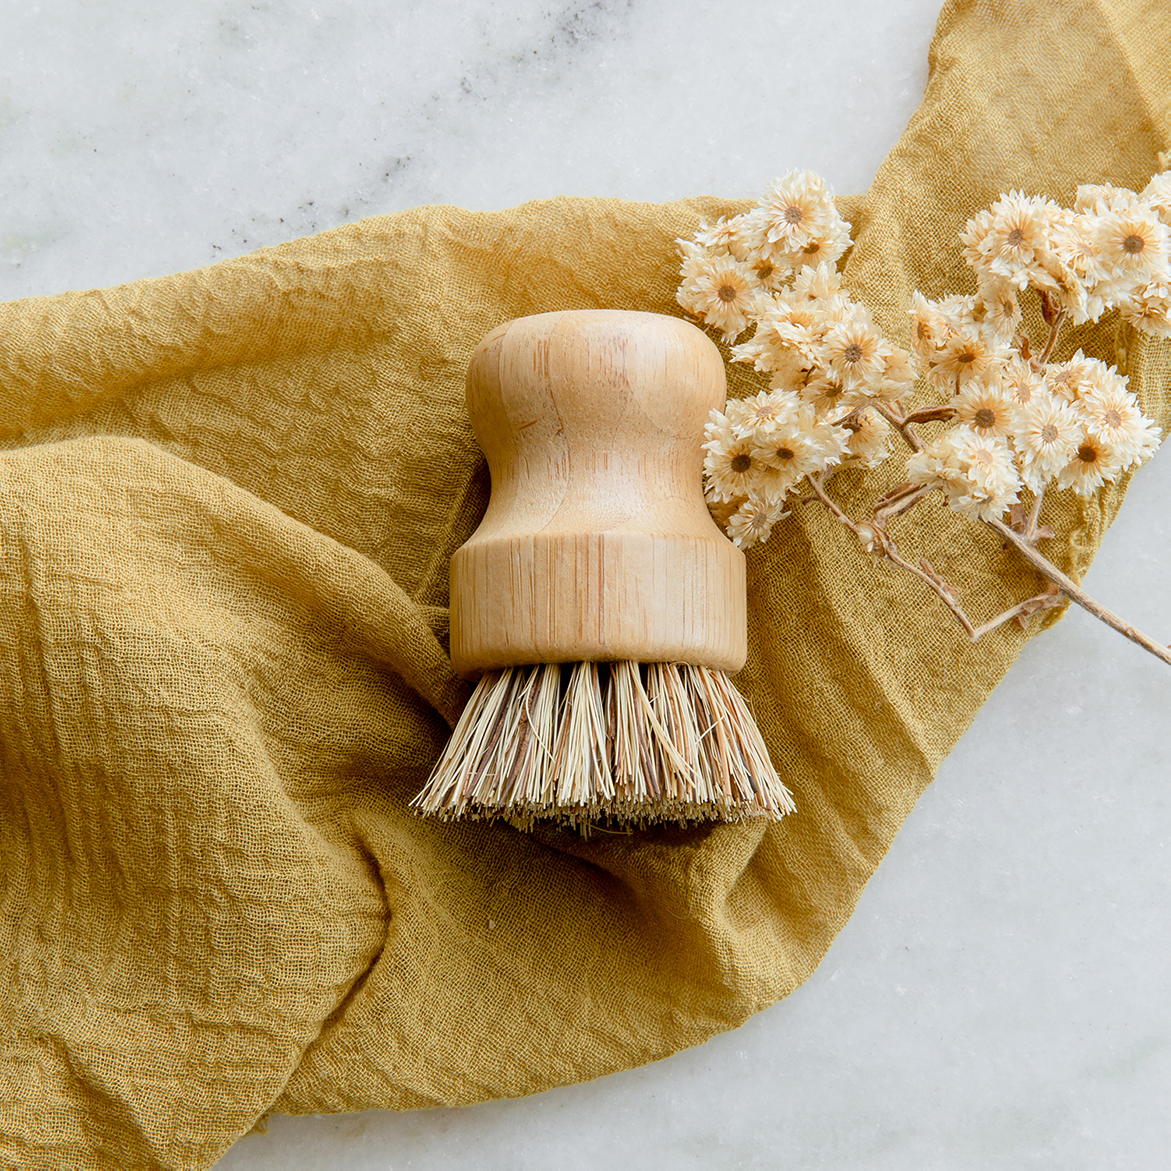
(227, 503)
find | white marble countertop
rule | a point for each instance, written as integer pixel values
(999, 999)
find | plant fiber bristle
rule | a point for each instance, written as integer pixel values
(595, 744)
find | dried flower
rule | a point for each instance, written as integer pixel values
(1046, 435)
(898, 376)
(782, 326)
(723, 236)
(1021, 382)
(1009, 239)
(868, 439)
(799, 445)
(799, 210)
(967, 356)
(985, 409)
(822, 283)
(1132, 243)
(1001, 309)
(1148, 307)
(753, 521)
(1094, 462)
(730, 466)
(1099, 199)
(829, 396)
(721, 290)
(1157, 196)
(975, 473)
(1071, 379)
(1112, 415)
(829, 246)
(762, 412)
(930, 327)
(1016, 422)
(854, 352)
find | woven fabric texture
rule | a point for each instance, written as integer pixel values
(227, 503)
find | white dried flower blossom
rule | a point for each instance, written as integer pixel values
(725, 235)
(791, 373)
(1148, 307)
(1046, 435)
(1098, 199)
(1094, 462)
(973, 237)
(720, 290)
(1157, 196)
(930, 326)
(854, 352)
(800, 445)
(1132, 244)
(782, 326)
(730, 466)
(898, 376)
(752, 230)
(1000, 309)
(799, 209)
(868, 438)
(770, 277)
(968, 356)
(763, 411)
(975, 473)
(822, 282)
(752, 521)
(828, 247)
(796, 225)
(936, 466)
(985, 409)
(829, 397)
(1078, 376)
(1022, 383)
(1113, 415)
(1071, 270)
(837, 309)
(1011, 238)
(958, 310)
(987, 461)
(729, 422)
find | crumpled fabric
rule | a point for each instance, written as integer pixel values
(227, 503)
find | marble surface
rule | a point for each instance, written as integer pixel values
(999, 997)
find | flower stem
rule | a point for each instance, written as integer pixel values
(1034, 516)
(900, 421)
(1067, 588)
(1054, 319)
(1054, 330)
(1074, 592)
(818, 482)
(923, 571)
(1045, 601)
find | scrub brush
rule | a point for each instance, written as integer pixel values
(598, 604)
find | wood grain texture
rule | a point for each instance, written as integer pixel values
(597, 543)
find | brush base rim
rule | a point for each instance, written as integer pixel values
(598, 597)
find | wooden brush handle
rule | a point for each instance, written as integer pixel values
(597, 543)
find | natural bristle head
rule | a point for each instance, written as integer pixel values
(594, 745)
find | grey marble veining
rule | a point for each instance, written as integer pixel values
(999, 997)
(144, 139)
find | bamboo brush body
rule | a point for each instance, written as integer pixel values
(598, 603)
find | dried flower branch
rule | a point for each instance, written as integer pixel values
(1016, 422)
